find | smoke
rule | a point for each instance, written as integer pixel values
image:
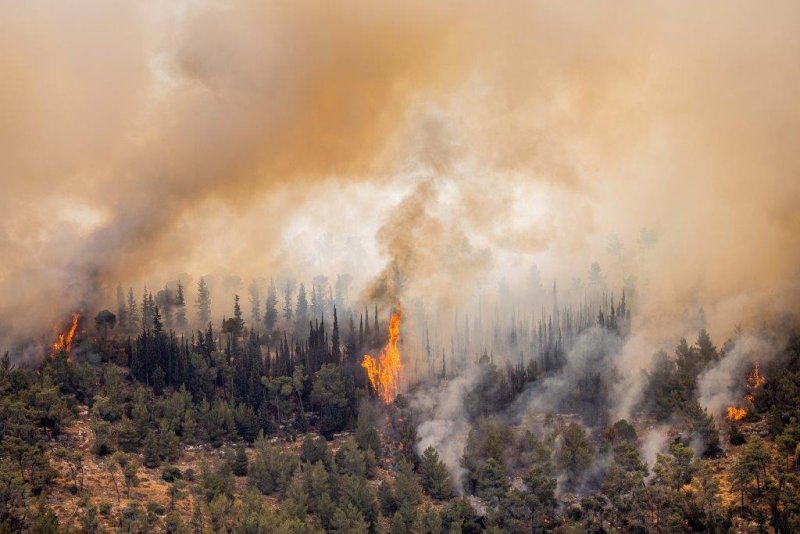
(724, 383)
(576, 387)
(430, 256)
(456, 143)
(445, 426)
(653, 443)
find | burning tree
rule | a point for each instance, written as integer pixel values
(384, 372)
(64, 340)
(754, 381)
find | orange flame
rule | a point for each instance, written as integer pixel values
(384, 372)
(736, 414)
(754, 381)
(64, 341)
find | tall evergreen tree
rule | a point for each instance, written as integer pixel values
(180, 308)
(336, 350)
(271, 311)
(203, 303)
(318, 296)
(288, 291)
(165, 302)
(147, 310)
(133, 311)
(301, 311)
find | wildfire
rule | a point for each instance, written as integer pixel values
(64, 340)
(384, 372)
(736, 414)
(754, 381)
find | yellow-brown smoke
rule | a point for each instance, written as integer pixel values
(143, 140)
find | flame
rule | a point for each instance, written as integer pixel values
(384, 372)
(64, 340)
(736, 414)
(754, 381)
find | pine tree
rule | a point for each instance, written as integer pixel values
(237, 313)
(336, 350)
(158, 326)
(133, 312)
(435, 478)
(240, 463)
(151, 458)
(301, 314)
(271, 311)
(165, 302)
(317, 296)
(288, 291)
(203, 303)
(147, 310)
(407, 489)
(180, 309)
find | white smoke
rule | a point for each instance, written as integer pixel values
(723, 384)
(445, 426)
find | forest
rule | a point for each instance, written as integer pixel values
(399, 266)
(135, 421)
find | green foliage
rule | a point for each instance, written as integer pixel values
(488, 439)
(216, 482)
(151, 456)
(459, 516)
(350, 460)
(271, 469)
(356, 491)
(329, 396)
(434, 474)
(218, 510)
(704, 428)
(315, 450)
(367, 436)
(170, 473)
(574, 455)
(348, 520)
(240, 462)
(408, 492)
(103, 438)
(491, 484)
(387, 498)
(735, 435)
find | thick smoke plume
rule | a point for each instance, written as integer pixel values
(141, 141)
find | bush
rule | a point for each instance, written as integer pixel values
(105, 508)
(170, 473)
